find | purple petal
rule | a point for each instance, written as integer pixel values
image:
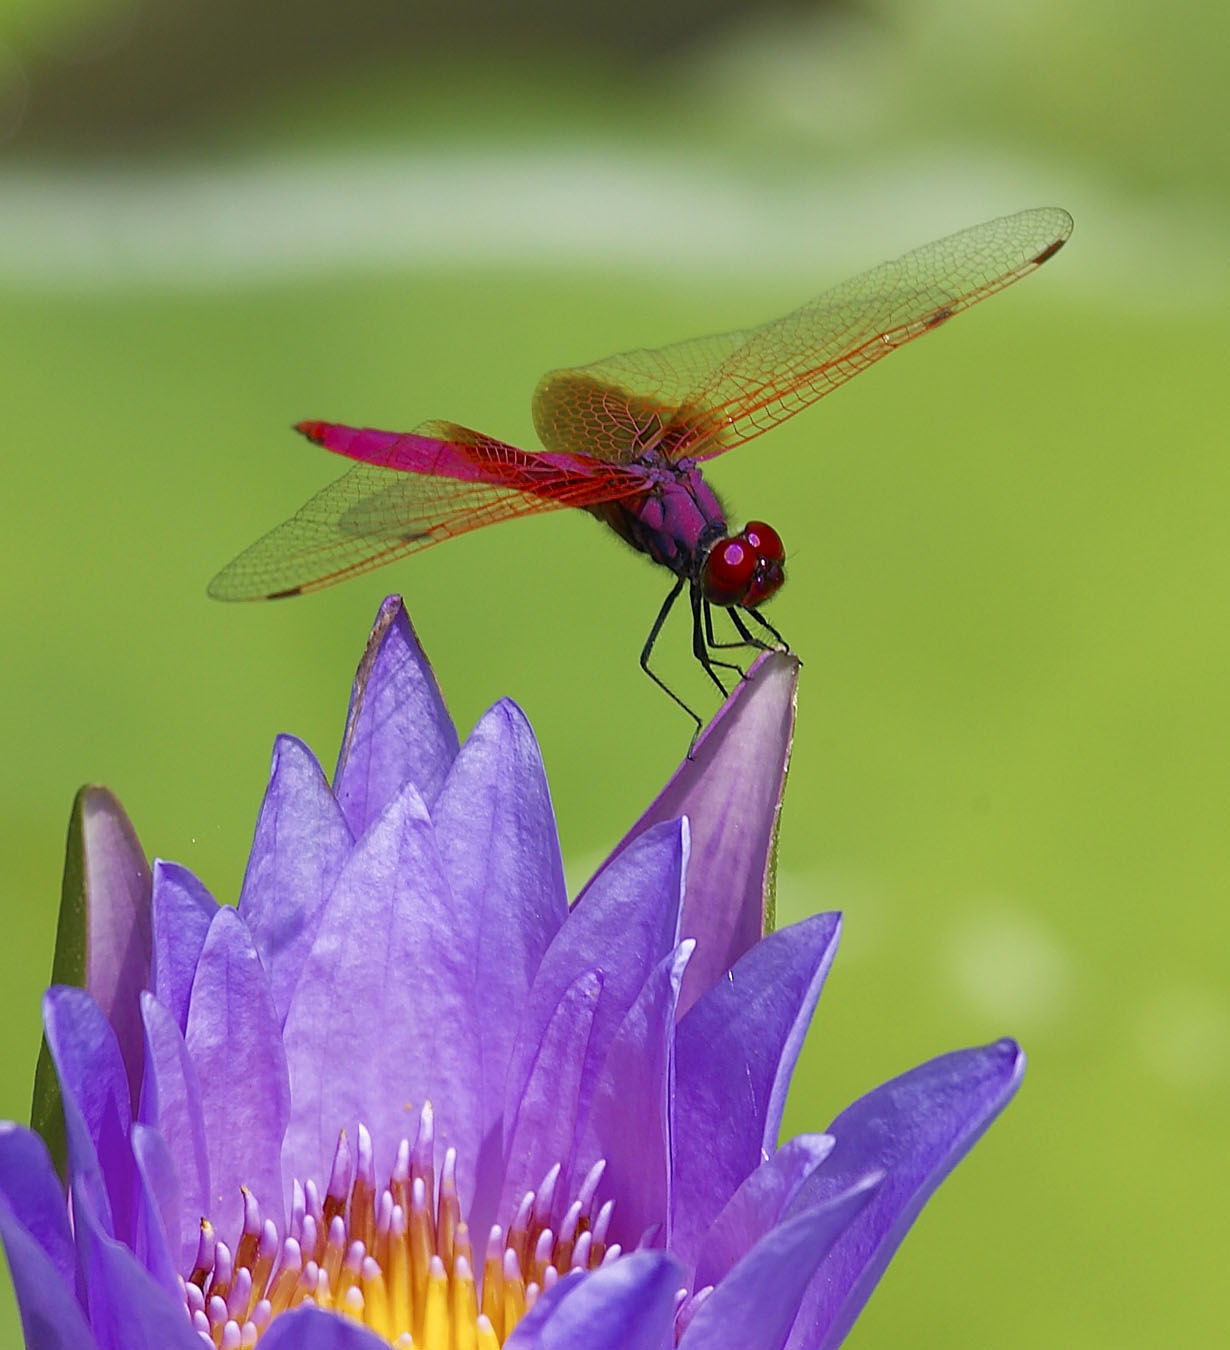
(755, 1306)
(171, 1100)
(542, 1124)
(128, 1310)
(384, 1015)
(398, 730)
(627, 921)
(736, 1050)
(159, 1214)
(496, 834)
(301, 842)
(236, 1049)
(50, 1316)
(628, 1305)
(730, 788)
(117, 888)
(97, 1114)
(757, 1206)
(632, 1120)
(915, 1129)
(182, 912)
(308, 1328)
(29, 1185)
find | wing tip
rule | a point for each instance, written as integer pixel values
(1063, 226)
(224, 588)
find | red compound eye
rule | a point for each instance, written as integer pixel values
(765, 540)
(729, 570)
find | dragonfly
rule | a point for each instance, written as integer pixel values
(625, 439)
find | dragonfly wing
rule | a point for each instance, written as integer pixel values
(786, 365)
(618, 408)
(702, 397)
(407, 492)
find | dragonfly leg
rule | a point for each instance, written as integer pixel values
(700, 649)
(765, 624)
(715, 646)
(748, 637)
(667, 604)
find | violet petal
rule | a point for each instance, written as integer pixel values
(755, 1306)
(103, 936)
(97, 1115)
(118, 896)
(171, 1100)
(300, 844)
(159, 1213)
(914, 1129)
(236, 1049)
(627, 921)
(736, 1050)
(632, 1120)
(398, 730)
(757, 1206)
(128, 1309)
(730, 788)
(392, 973)
(28, 1183)
(628, 1305)
(542, 1128)
(496, 834)
(308, 1328)
(182, 911)
(51, 1318)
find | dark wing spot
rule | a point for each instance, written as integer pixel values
(1049, 251)
(283, 595)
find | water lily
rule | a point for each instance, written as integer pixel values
(404, 1093)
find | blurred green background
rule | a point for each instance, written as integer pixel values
(1008, 559)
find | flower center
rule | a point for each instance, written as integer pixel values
(399, 1260)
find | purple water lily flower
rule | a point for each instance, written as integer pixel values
(404, 1094)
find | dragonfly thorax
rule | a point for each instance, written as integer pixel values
(676, 520)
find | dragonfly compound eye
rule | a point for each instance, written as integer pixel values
(766, 541)
(729, 571)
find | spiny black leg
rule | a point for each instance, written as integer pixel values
(714, 645)
(745, 638)
(648, 647)
(745, 633)
(765, 624)
(700, 651)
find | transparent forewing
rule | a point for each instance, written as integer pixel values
(618, 408)
(702, 397)
(379, 512)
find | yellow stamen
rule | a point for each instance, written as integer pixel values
(397, 1259)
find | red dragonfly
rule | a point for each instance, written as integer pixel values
(625, 438)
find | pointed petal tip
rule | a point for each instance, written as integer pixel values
(397, 727)
(509, 715)
(99, 797)
(284, 745)
(770, 689)
(1015, 1058)
(99, 809)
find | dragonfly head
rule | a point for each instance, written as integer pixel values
(746, 568)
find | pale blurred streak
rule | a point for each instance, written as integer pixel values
(184, 225)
